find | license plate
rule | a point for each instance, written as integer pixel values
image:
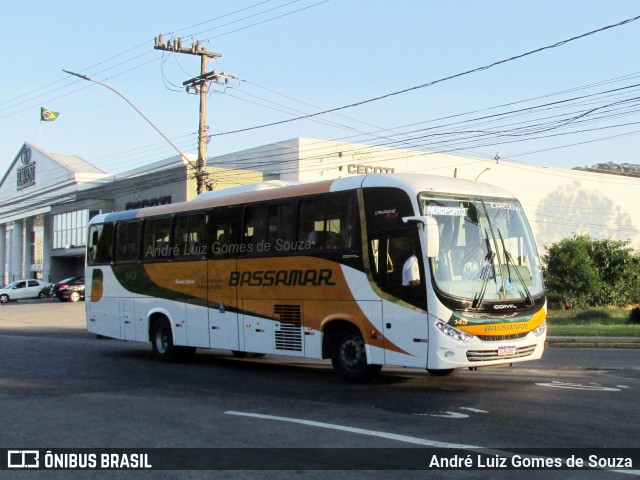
(503, 351)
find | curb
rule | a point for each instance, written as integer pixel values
(594, 342)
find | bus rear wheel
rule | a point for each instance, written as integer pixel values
(349, 357)
(162, 343)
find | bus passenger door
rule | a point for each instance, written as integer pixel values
(223, 306)
(405, 319)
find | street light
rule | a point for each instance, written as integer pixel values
(486, 169)
(84, 77)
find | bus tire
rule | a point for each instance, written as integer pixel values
(238, 354)
(349, 357)
(441, 372)
(162, 343)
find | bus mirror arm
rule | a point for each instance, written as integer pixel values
(430, 226)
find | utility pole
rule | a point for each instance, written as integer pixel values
(199, 84)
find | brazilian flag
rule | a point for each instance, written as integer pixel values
(47, 115)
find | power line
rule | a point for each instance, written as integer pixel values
(434, 82)
(41, 98)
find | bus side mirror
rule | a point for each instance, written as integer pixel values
(432, 234)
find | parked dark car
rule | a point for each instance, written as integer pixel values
(69, 289)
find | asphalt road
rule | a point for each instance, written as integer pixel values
(63, 388)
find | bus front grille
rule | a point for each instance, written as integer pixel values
(484, 355)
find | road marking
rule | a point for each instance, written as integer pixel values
(475, 410)
(361, 431)
(450, 414)
(444, 415)
(578, 386)
(389, 436)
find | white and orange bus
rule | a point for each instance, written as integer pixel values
(381, 269)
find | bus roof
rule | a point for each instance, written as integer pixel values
(275, 189)
(417, 182)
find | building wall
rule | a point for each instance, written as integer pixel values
(559, 202)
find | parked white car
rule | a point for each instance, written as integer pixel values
(21, 289)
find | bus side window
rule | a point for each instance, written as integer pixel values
(155, 244)
(279, 224)
(127, 241)
(266, 227)
(254, 226)
(100, 250)
(188, 236)
(93, 243)
(223, 232)
(105, 242)
(328, 222)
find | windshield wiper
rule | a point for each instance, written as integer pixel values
(485, 275)
(510, 260)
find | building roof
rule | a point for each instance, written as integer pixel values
(74, 163)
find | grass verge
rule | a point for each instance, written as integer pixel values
(601, 322)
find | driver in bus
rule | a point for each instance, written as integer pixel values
(411, 272)
(473, 263)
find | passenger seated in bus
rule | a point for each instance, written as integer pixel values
(332, 241)
(325, 240)
(314, 238)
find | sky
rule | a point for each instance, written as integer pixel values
(575, 104)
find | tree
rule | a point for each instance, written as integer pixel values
(582, 272)
(570, 273)
(626, 169)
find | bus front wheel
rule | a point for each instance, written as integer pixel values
(162, 343)
(349, 357)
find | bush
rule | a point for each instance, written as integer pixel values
(585, 272)
(570, 273)
(634, 316)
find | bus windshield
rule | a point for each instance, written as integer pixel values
(487, 251)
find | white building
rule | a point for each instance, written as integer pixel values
(46, 199)
(559, 202)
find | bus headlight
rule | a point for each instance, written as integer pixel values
(541, 329)
(451, 332)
